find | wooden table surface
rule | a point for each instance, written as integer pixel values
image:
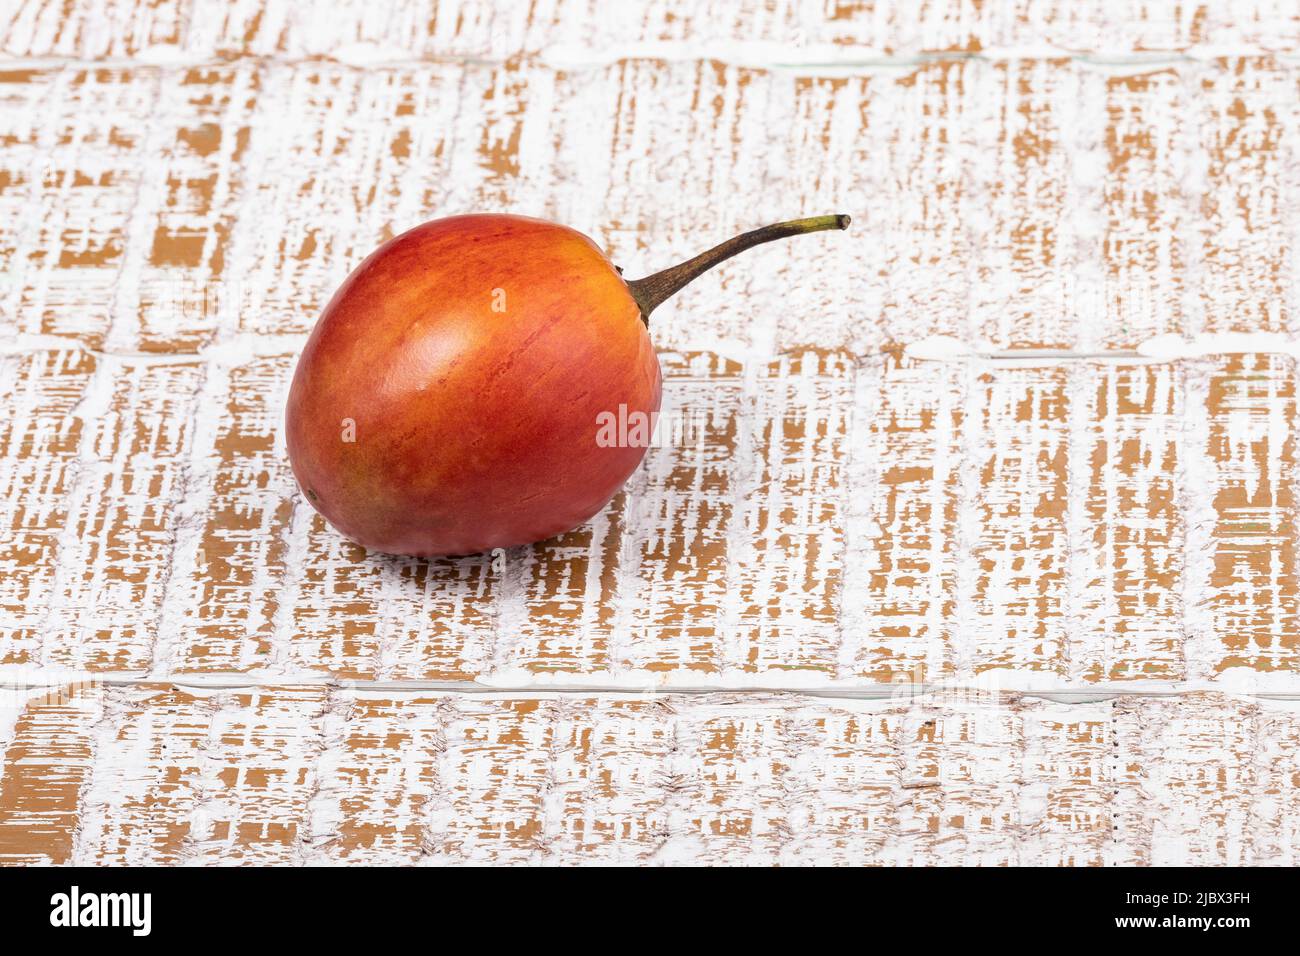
(976, 542)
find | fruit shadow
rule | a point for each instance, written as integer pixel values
(480, 566)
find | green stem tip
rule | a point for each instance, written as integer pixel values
(649, 293)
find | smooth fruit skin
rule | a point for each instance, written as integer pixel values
(473, 428)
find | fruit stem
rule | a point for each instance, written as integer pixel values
(649, 293)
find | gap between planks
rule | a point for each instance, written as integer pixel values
(256, 346)
(836, 62)
(866, 692)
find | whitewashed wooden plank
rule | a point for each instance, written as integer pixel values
(114, 549)
(280, 774)
(816, 521)
(47, 762)
(39, 441)
(352, 30)
(1125, 528)
(1250, 450)
(1006, 204)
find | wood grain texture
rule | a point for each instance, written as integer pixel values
(998, 436)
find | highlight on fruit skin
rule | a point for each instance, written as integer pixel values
(450, 398)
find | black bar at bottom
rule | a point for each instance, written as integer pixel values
(380, 906)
